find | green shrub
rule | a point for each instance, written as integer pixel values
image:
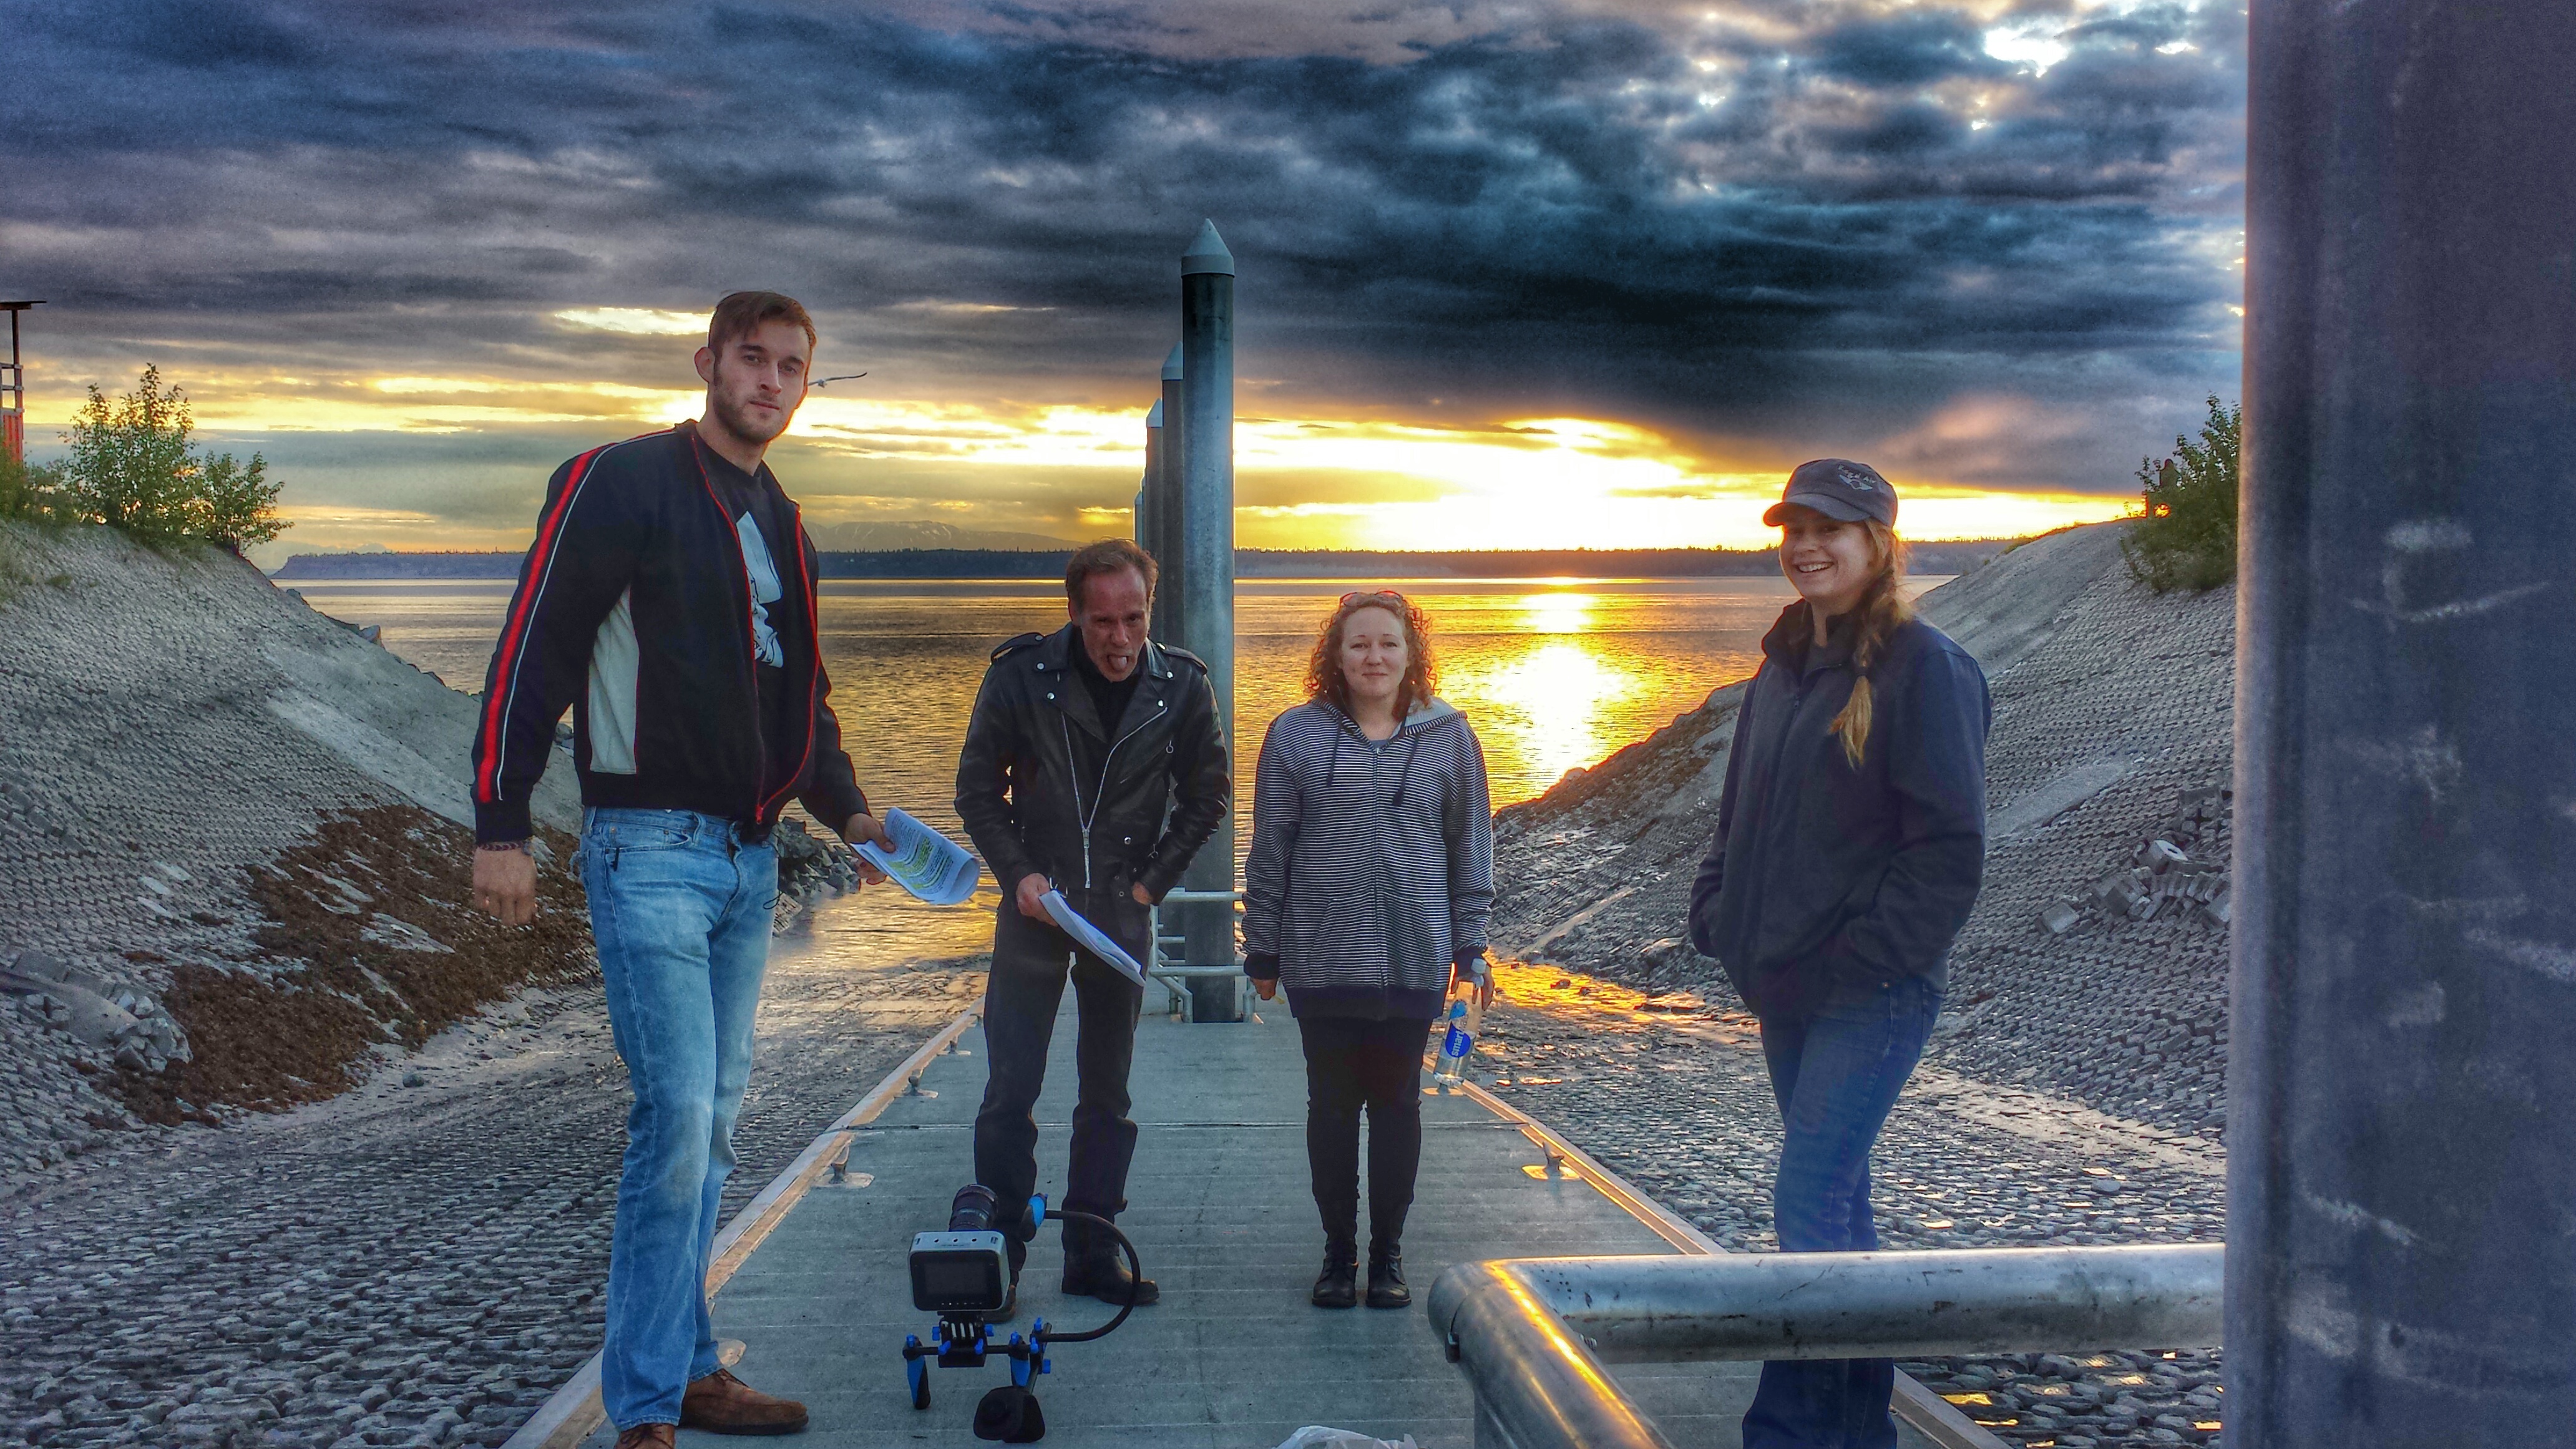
(131, 467)
(238, 502)
(28, 492)
(2184, 534)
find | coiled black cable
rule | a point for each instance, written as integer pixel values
(1135, 1271)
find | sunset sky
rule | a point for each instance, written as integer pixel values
(1511, 275)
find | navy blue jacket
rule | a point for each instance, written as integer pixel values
(1822, 874)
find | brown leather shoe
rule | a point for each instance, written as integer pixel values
(723, 1404)
(648, 1436)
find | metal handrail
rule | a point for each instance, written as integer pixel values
(1175, 976)
(1533, 1333)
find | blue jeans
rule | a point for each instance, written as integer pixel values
(1836, 1072)
(680, 908)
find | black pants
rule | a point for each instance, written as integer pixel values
(1351, 1063)
(1020, 998)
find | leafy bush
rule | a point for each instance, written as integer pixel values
(131, 467)
(2184, 536)
(31, 492)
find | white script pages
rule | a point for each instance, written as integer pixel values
(923, 861)
(1090, 937)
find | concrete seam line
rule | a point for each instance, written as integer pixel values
(1935, 1417)
(1666, 1225)
(1939, 1420)
(569, 1416)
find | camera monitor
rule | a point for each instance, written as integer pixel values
(960, 1273)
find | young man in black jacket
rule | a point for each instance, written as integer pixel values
(1080, 741)
(669, 601)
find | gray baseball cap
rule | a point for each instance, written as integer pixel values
(1837, 488)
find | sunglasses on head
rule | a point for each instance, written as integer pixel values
(1376, 594)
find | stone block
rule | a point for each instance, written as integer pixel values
(2059, 918)
(2159, 855)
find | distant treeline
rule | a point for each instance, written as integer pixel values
(1250, 563)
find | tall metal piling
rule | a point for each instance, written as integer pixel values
(2401, 1245)
(1164, 479)
(1205, 598)
(1148, 495)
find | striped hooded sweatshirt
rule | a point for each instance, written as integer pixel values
(1372, 864)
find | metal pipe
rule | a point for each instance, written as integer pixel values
(1533, 1333)
(1537, 1386)
(1205, 599)
(2401, 1159)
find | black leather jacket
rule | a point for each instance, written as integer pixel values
(1044, 788)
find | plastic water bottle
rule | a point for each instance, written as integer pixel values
(1465, 1016)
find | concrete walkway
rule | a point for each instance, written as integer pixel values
(1234, 1356)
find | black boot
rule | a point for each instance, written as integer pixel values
(1336, 1286)
(1107, 1279)
(1386, 1277)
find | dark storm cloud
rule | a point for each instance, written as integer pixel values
(1741, 221)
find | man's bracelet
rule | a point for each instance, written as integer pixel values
(501, 845)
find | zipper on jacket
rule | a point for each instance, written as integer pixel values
(1099, 791)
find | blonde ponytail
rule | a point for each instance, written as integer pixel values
(1883, 610)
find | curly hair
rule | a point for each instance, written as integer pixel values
(1324, 679)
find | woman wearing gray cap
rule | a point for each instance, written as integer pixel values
(1851, 839)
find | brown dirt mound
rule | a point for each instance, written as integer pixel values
(352, 922)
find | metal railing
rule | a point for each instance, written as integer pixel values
(1174, 975)
(1533, 1333)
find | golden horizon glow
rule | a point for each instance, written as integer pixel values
(1313, 482)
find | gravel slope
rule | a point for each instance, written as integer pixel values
(402, 1264)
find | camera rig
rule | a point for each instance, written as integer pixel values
(963, 1274)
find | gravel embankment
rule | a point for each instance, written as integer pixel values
(1680, 1105)
(402, 1264)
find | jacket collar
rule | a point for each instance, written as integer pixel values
(1421, 716)
(1063, 678)
(1792, 642)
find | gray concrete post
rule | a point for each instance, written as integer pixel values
(2402, 1121)
(1205, 599)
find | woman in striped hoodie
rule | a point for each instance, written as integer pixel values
(1366, 896)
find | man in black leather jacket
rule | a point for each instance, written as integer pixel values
(1095, 764)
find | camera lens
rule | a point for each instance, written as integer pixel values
(972, 1212)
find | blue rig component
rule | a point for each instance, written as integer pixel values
(967, 1341)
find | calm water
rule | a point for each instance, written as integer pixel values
(1554, 674)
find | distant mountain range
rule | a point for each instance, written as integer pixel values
(920, 561)
(907, 533)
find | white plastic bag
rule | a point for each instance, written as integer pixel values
(1316, 1436)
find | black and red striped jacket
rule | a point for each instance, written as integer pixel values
(634, 607)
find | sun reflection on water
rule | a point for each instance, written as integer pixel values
(1547, 704)
(1557, 613)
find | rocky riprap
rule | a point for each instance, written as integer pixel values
(813, 867)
